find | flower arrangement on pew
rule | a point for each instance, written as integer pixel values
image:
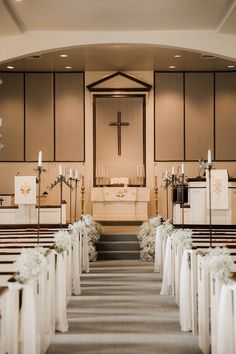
(219, 262)
(183, 238)
(31, 264)
(62, 241)
(146, 237)
(92, 228)
(166, 228)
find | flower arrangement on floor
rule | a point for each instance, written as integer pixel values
(92, 229)
(219, 262)
(146, 237)
(31, 264)
(63, 240)
(183, 237)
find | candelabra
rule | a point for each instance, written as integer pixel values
(156, 196)
(71, 188)
(82, 195)
(38, 179)
(209, 168)
(60, 180)
(76, 189)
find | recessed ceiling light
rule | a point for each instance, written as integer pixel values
(10, 67)
(63, 55)
(68, 67)
(172, 67)
(177, 56)
(231, 66)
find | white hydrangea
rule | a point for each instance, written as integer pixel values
(62, 241)
(219, 261)
(30, 264)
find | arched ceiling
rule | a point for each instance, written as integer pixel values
(117, 34)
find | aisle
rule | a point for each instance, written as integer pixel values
(121, 312)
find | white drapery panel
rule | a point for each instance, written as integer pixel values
(76, 290)
(166, 288)
(160, 243)
(60, 295)
(185, 293)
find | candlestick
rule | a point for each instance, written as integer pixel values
(137, 171)
(60, 170)
(155, 170)
(40, 159)
(76, 174)
(166, 174)
(173, 170)
(209, 157)
(182, 168)
(70, 173)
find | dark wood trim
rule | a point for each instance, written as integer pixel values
(84, 121)
(214, 116)
(24, 113)
(54, 116)
(92, 87)
(154, 115)
(184, 118)
(97, 96)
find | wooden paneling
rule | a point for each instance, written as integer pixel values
(169, 116)
(225, 116)
(69, 117)
(12, 112)
(39, 116)
(199, 115)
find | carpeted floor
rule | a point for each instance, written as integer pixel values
(120, 311)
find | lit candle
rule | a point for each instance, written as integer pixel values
(173, 170)
(60, 170)
(40, 159)
(182, 168)
(76, 174)
(209, 157)
(70, 173)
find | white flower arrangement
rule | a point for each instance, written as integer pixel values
(92, 229)
(219, 262)
(146, 237)
(62, 241)
(30, 264)
(183, 237)
(166, 228)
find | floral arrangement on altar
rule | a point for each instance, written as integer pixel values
(146, 237)
(87, 225)
(219, 262)
(30, 264)
(62, 241)
(183, 237)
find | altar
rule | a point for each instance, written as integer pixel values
(120, 203)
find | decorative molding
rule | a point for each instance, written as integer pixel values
(93, 87)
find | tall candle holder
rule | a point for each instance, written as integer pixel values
(166, 183)
(82, 195)
(38, 180)
(156, 196)
(60, 180)
(209, 168)
(70, 196)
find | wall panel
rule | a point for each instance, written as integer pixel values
(39, 116)
(169, 116)
(199, 115)
(69, 117)
(12, 112)
(225, 124)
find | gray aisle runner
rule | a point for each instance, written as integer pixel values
(120, 311)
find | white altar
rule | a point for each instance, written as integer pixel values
(120, 203)
(197, 211)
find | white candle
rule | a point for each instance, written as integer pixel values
(0, 122)
(76, 174)
(166, 174)
(182, 168)
(140, 171)
(173, 170)
(209, 157)
(40, 159)
(60, 170)
(143, 168)
(70, 173)
(155, 170)
(137, 171)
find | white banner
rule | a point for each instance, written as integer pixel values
(25, 190)
(219, 189)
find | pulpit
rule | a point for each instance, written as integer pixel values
(120, 203)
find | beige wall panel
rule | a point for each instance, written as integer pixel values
(39, 115)
(199, 114)
(12, 112)
(225, 121)
(69, 117)
(131, 110)
(169, 116)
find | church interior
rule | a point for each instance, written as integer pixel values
(117, 176)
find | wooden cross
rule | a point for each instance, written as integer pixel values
(119, 124)
(1, 201)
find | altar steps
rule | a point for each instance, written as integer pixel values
(118, 246)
